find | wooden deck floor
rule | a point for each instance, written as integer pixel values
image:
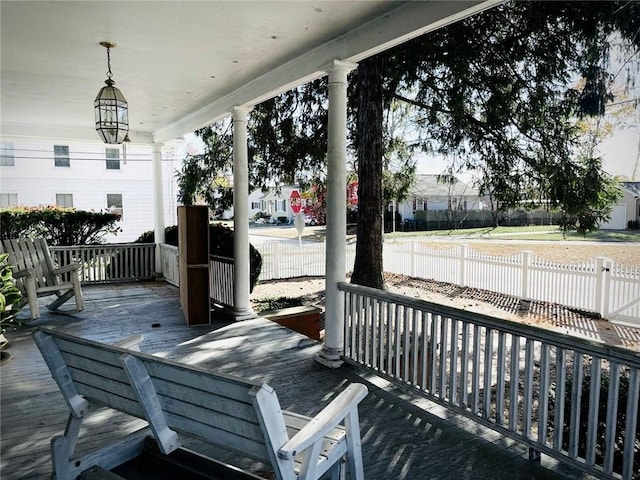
(404, 435)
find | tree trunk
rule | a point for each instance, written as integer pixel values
(367, 269)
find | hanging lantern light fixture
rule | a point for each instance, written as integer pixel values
(111, 109)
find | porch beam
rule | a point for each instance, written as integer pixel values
(335, 258)
(158, 204)
(241, 279)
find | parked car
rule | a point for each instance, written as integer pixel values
(309, 220)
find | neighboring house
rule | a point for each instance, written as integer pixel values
(273, 203)
(627, 209)
(430, 193)
(88, 176)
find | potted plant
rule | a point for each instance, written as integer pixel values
(10, 297)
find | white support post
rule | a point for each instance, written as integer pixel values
(335, 258)
(241, 267)
(158, 204)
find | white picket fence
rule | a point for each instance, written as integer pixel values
(600, 285)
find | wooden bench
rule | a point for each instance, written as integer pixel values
(240, 415)
(37, 276)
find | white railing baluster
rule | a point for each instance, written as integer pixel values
(464, 374)
(453, 362)
(475, 378)
(501, 368)
(612, 415)
(543, 395)
(592, 418)
(487, 369)
(528, 388)
(630, 435)
(560, 394)
(514, 382)
(576, 396)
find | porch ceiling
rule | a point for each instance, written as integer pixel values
(184, 64)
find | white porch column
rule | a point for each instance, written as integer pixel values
(241, 284)
(331, 354)
(158, 204)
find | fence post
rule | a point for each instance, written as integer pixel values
(464, 253)
(526, 263)
(603, 285)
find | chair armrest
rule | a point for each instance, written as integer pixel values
(27, 272)
(330, 416)
(72, 267)
(131, 342)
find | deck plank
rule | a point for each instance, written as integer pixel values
(404, 435)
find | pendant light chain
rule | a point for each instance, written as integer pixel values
(109, 74)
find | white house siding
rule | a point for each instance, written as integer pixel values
(271, 202)
(36, 180)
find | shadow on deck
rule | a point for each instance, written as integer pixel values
(404, 435)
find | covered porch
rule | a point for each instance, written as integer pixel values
(405, 436)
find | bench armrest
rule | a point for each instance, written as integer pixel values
(72, 267)
(330, 416)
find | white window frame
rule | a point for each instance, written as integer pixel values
(61, 159)
(115, 206)
(64, 200)
(7, 154)
(8, 200)
(112, 156)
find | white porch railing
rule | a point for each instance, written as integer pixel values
(220, 275)
(169, 257)
(569, 398)
(109, 263)
(221, 281)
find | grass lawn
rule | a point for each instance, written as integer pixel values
(536, 232)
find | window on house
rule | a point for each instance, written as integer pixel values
(8, 200)
(64, 199)
(113, 158)
(61, 156)
(281, 205)
(114, 204)
(425, 205)
(255, 205)
(6, 155)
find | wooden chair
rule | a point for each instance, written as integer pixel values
(37, 276)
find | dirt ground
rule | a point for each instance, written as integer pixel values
(545, 315)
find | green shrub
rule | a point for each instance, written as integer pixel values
(273, 303)
(58, 225)
(10, 296)
(220, 243)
